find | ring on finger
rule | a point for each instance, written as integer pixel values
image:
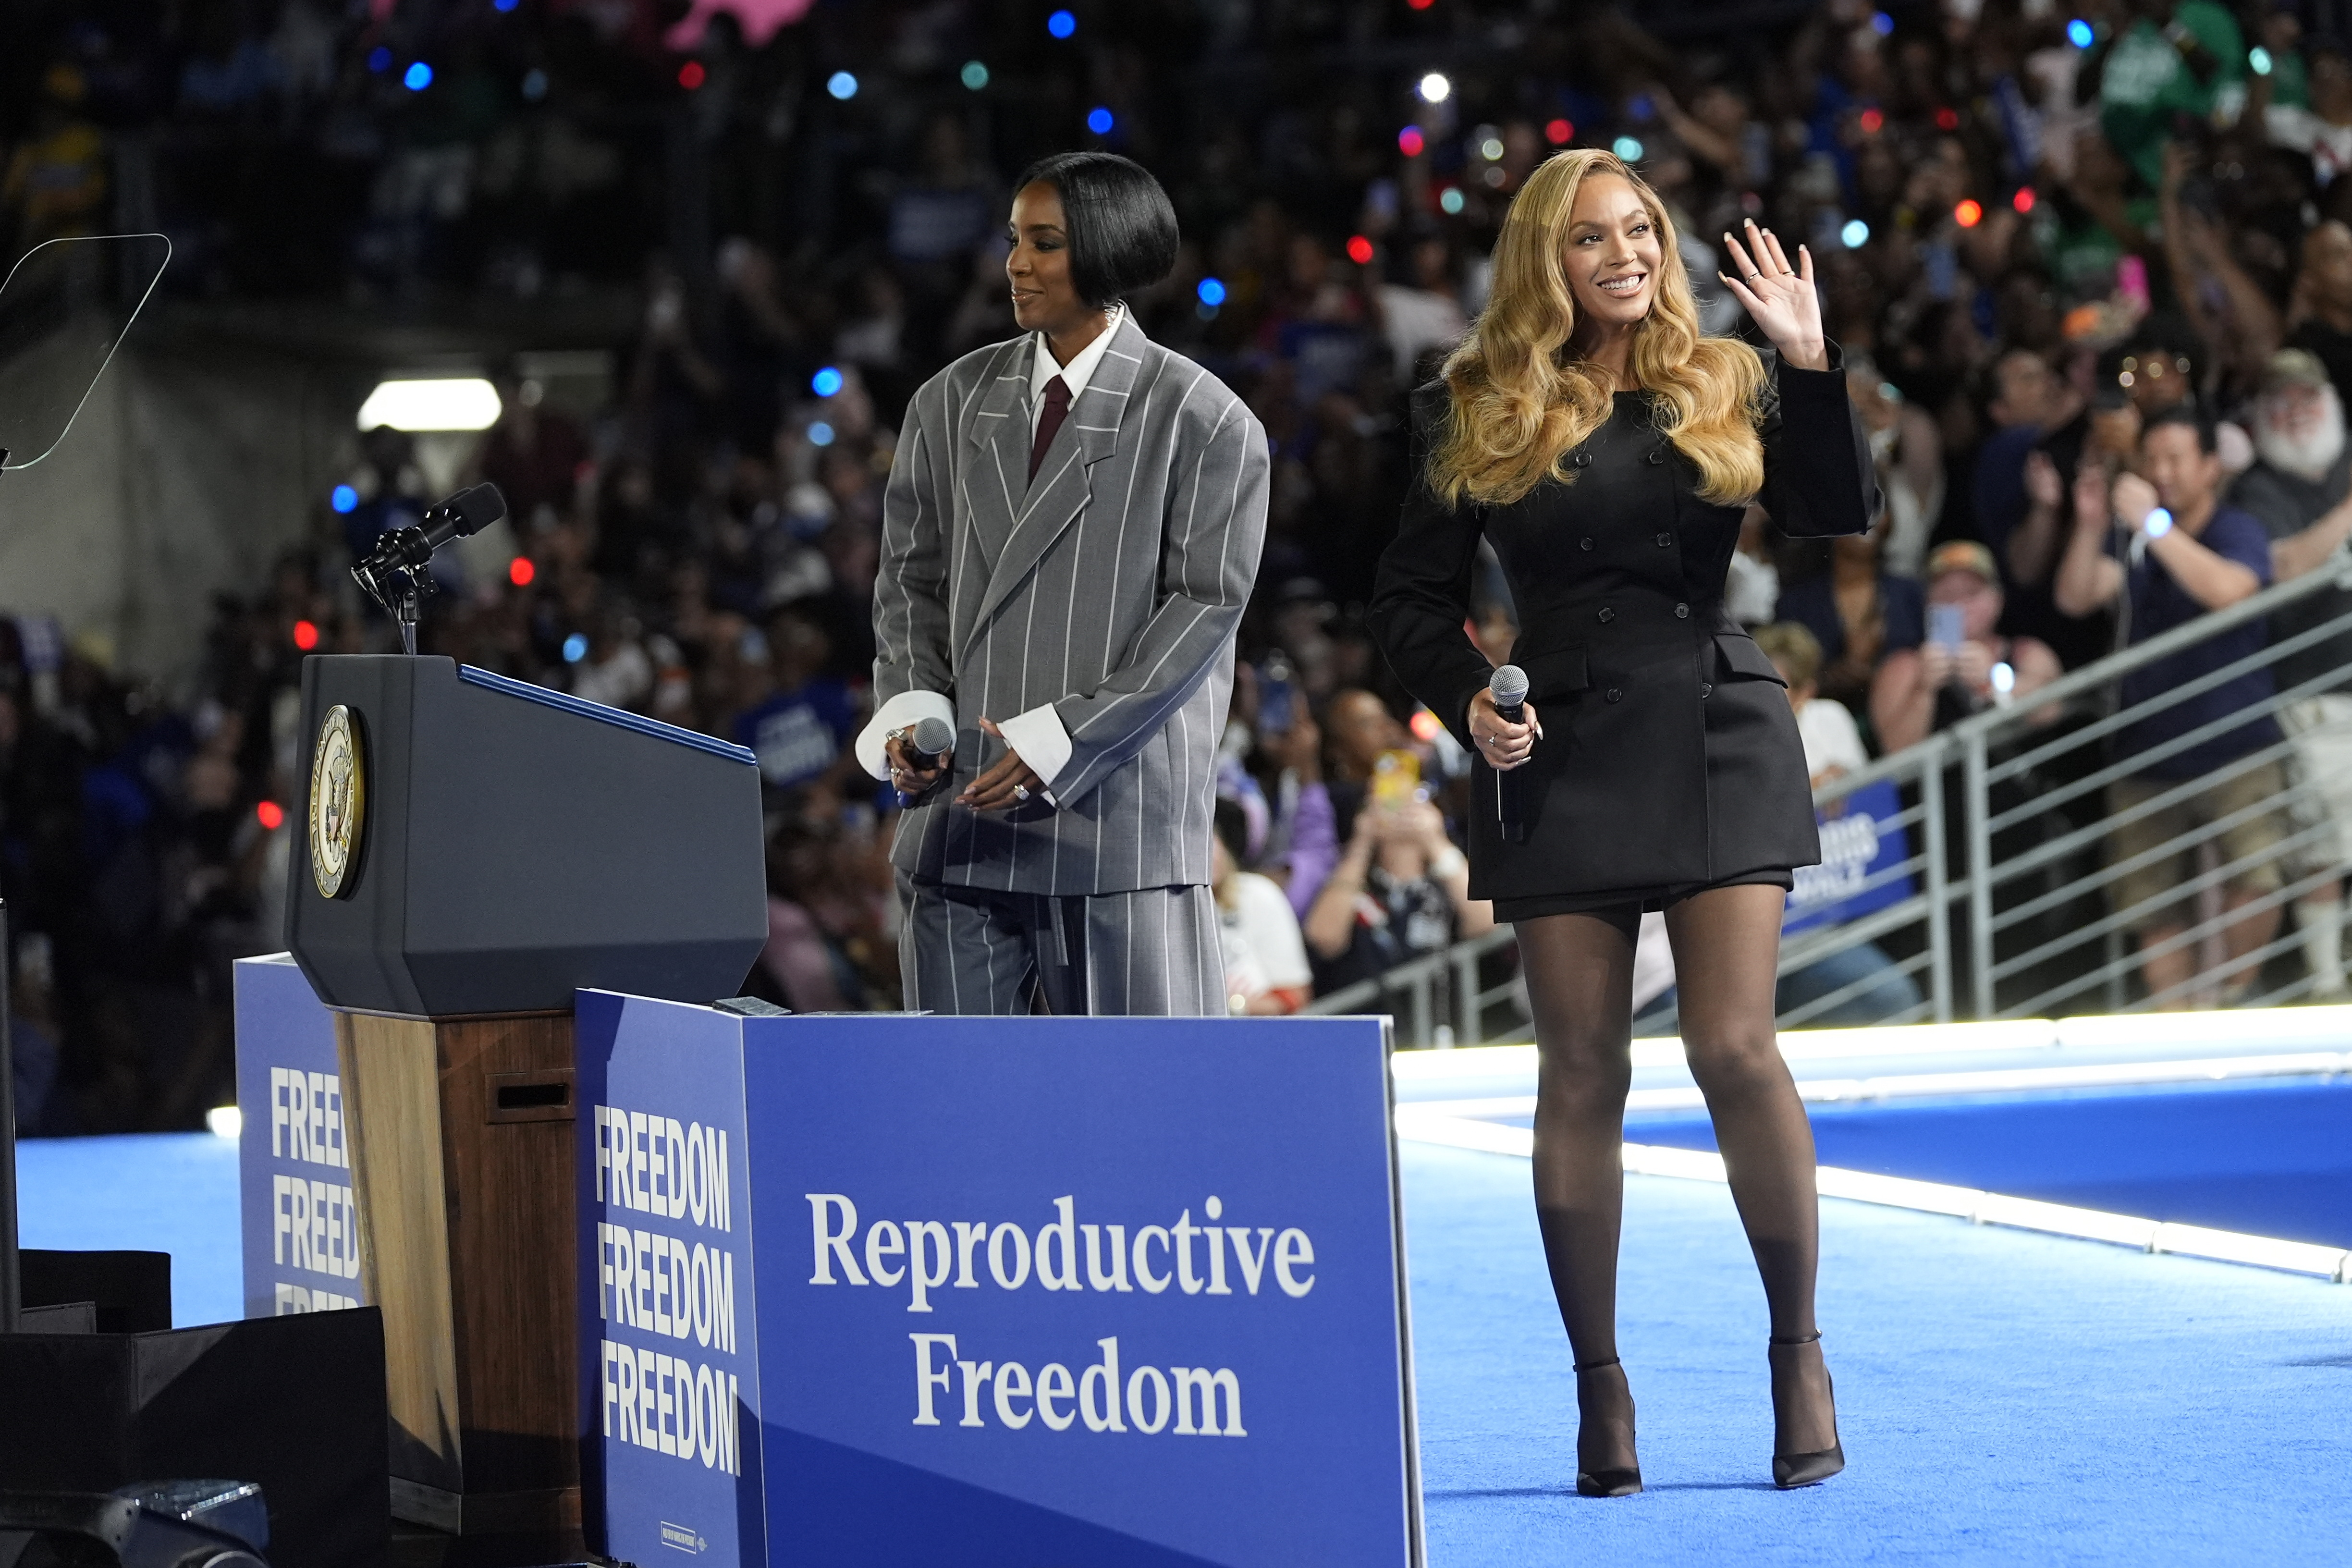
(1021, 793)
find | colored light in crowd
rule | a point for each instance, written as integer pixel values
(520, 572)
(821, 434)
(1491, 149)
(2158, 522)
(1948, 119)
(2023, 200)
(1856, 234)
(1212, 291)
(1409, 142)
(1098, 120)
(1359, 249)
(974, 75)
(842, 85)
(344, 498)
(826, 382)
(1420, 4)
(1560, 132)
(2078, 33)
(305, 635)
(1872, 121)
(226, 1122)
(1061, 24)
(1435, 87)
(270, 814)
(1969, 213)
(506, 4)
(1425, 725)
(1883, 23)
(2004, 679)
(417, 78)
(575, 647)
(2258, 60)
(1627, 147)
(534, 85)
(379, 59)
(1449, 200)
(690, 75)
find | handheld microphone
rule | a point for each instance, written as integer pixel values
(1509, 690)
(932, 739)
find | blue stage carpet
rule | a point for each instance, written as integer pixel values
(165, 1191)
(2004, 1397)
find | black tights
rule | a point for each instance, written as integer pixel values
(1579, 973)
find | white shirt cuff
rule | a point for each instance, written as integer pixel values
(904, 711)
(1040, 739)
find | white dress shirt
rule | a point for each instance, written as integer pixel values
(1037, 735)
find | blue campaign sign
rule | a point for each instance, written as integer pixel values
(301, 1234)
(1864, 841)
(1006, 1291)
(667, 1300)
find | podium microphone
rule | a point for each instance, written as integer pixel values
(394, 572)
(1509, 690)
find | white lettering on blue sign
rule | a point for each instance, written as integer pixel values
(306, 1118)
(1162, 1254)
(1193, 1395)
(314, 1226)
(654, 1166)
(672, 1406)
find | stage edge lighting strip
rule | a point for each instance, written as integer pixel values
(1422, 1126)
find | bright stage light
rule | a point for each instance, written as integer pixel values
(1627, 147)
(575, 647)
(418, 77)
(820, 433)
(305, 635)
(1450, 200)
(826, 382)
(2079, 34)
(974, 75)
(1061, 24)
(226, 1120)
(1212, 291)
(270, 814)
(520, 571)
(1856, 234)
(453, 402)
(342, 498)
(1435, 87)
(1098, 120)
(1560, 132)
(842, 85)
(1409, 142)
(1359, 249)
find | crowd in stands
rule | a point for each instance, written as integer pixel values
(2075, 259)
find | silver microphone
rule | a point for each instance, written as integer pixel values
(1509, 690)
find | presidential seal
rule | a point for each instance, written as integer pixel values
(338, 801)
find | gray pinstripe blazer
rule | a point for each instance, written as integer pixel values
(1110, 588)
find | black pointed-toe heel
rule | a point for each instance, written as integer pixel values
(1791, 1471)
(1613, 1481)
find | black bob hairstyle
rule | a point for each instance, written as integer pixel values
(1121, 226)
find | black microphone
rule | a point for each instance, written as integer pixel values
(932, 740)
(1509, 690)
(408, 549)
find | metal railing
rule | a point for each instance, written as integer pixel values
(1991, 890)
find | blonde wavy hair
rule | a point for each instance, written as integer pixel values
(1521, 402)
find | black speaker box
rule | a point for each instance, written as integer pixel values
(295, 1404)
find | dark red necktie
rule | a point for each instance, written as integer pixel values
(1057, 408)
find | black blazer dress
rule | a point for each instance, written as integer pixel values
(1670, 760)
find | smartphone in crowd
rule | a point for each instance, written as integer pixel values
(1944, 625)
(1396, 779)
(1275, 695)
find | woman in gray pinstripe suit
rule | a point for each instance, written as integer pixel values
(1070, 531)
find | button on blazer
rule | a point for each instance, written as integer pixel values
(1669, 755)
(1110, 587)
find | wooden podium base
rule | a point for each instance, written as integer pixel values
(460, 1137)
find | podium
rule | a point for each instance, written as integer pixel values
(471, 851)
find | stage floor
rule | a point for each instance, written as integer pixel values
(2005, 1396)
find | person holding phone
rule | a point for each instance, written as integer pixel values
(1965, 665)
(1607, 451)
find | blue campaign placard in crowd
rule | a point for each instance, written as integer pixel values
(1010, 1290)
(301, 1233)
(1864, 841)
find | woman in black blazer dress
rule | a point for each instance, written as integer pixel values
(1606, 451)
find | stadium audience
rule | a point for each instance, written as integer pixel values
(2035, 232)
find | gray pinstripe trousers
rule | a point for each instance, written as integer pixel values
(1151, 952)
